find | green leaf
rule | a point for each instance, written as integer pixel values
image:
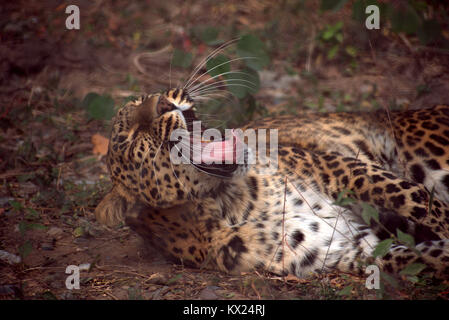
(346, 291)
(78, 232)
(338, 25)
(134, 294)
(368, 213)
(182, 59)
(412, 269)
(346, 201)
(16, 205)
(26, 177)
(429, 31)
(382, 248)
(23, 227)
(386, 277)
(328, 34)
(405, 238)
(207, 34)
(342, 200)
(218, 65)
(413, 279)
(38, 226)
(333, 52)
(174, 279)
(405, 19)
(334, 5)
(350, 50)
(229, 295)
(48, 295)
(243, 83)
(251, 47)
(88, 99)
(339, 37)
(358, 10)
(99, 107)
(136, 37)
(333, 31)
(25, 249)
(32, 214)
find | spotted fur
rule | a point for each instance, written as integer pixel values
(287, 221)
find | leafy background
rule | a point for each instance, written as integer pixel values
(60, 88)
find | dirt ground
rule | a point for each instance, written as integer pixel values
(51, 178)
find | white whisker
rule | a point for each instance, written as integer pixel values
(216, 76)
(169, 74)
(224, 86)
(217, 66)
(173, 170)
(214, 92)
(219, 82)
(210, 56)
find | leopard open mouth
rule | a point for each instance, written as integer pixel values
(220, 157)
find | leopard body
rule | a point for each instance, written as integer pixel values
(296, 219)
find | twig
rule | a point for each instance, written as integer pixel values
(31, 96)
(255, 290)
(283, 224)
(310, 51)
(59, 178)
(110, 294)
(406, 42)
(438, 50)
(373, 53)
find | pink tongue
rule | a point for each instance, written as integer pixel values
(221, 151)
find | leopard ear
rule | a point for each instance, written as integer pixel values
(146, 111)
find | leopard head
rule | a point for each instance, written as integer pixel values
(158, 152)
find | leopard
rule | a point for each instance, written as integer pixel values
(306, 216)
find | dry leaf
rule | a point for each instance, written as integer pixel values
(293, 278)
(100, 144)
